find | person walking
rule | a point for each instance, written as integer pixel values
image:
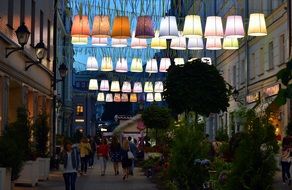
(85, 150)
(115, 153)
(92, 152)
(125, 158)
(134, 150)
(103, 153)
(286, 163)
(70, 165)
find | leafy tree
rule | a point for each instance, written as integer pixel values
(196, 86)
(41, 130)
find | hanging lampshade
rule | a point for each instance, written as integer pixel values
(141, 97)
(77, 40)
(106, 64)
(144, 28)
(158, 86)
(100, 97)
(178, 43)
(80, 26)
(234, 27)
(151, 66)
(122, 65)
(91, 64)
(158, 43)
(179, 61)
(214, 27)
(117, 97)
(133, 97)
(126, 87)
(257, 25)
(148, 87)
(93, 84)
(109, 97)
(99, 41)
(101, 27)
(125, 97)
(104, 85)
(136, 65)
(168, 27)
(119, 43)
(149, 97)
(115, 86)
(137, 87)
(195, 43)
(192, 26)
(121, 27)
(164, 64)
(138, 43)
(157, 97)
(213, 44)
(230, 43)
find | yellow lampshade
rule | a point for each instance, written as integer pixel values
(192, 26)
(157, 97)
(125, 97)
(257, 25)
(109, 97)
(126, 87)
(151, 66)
(149, 97)
(148, 87)
(230, 43)
(137, 87)
(136, 65)
(77, 40)
(80, 26)
(104, 85)
(101, 27)
(158, 86)
(115, 86)
(100, 97)
(117, 97)
(93, 85)
(133, 97)
(91, 64)
(106, 64)
(158, 43)
(121, 27)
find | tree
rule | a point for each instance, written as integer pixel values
(196, 86)
(41, 130)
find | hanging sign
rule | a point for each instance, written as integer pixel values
(252, 97)
(272, 91)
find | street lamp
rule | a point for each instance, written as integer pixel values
(235, 95)
(40, 51)
(63, 70)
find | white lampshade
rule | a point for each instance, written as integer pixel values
(164, 64)
(179, 61)
(136, 65)
(230, 43)
(93, 85)
(100, 97)
(178, 43)
(149, 97)
(234, 27)
(109, 97)
(122, 65)
(115, 86)
(99, 41)
(104, 85)
(126, 87)
(195, 43)
(213, 44)
(119, 43)
(117, 97)
(257, 25)
(148, 87)
(158, 43)
(138, 43)
(157, 97)
(214, 27)
(137, 87)
(125, 97)
(106, 64)
(193, 26)
(158, 86)
(168, 27)
(91, 64)
(151, 66)
(133, 97)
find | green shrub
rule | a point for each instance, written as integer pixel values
(41, 131)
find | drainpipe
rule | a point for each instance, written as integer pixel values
(290, 26)
(246, 47)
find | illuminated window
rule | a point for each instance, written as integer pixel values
(79, 110)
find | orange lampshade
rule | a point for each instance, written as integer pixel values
(121, 27)
(80, 26)
(133, 97)
(101, 27)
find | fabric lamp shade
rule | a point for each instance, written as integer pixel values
(115, 86)
(126, 87)
(158, 86)
(148, 87)
(179, 61)
(213, 44)
(133, 97)
(230, 43)
(100, 97)
(104, 85)
(137, 87)
(138, 43)
(109, 97)
(99, 41)
(119, 43)
(101, 26)
(214, 27)
(117, 97)
(124, 97)
(192, 26)
(144, 28)
(164, 64)
(93, 85)
(157, 97)
(149, 97)
(257, 25)
(168, 27)
(121, 27)
(151, 66)
(158, 43)
(106, 64)
(77, 40)
(195, 44)
(136, 65)
(234, 27)
(122, 65)
(178, 43)
(80, 26)
(91, 64)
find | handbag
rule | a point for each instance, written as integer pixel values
(130, 155)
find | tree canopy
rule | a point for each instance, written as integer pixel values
(156, 117)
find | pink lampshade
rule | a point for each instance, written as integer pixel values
(109, 97)
(119, 43)
(144, 27)
(99, 41)
(137, 87)
(178, 43)
(122, 65)
(138, 43)
(104, 85)
(125, 97)
(126, 86)
(234, 27)
(214, 27)
(213, 44)
(164, 64)
(117, 97)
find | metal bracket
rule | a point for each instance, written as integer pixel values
(31, 64)
(9, 51)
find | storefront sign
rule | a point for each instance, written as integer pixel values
(272, 91)
(253, 97)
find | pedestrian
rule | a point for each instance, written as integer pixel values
(92, 152)
(286, 163)
(134, 150)
(85, 150)
(115, 153)
(70, 165)
(75, 148)
(125, 158)
(104, 154)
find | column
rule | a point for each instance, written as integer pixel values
(4, 95)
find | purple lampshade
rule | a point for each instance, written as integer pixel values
(144, 27)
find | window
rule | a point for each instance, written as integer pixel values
(261, 65)
(41, 25)
(32, 29)
(22, 10)
(234, 76)
(49, 40)
(252, 66)
(79, 110)
(282, 49)
(271, 56)
(242, 71)
(10, 13)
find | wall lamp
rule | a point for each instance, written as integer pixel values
(63, 70)
(40, 51)
(22, 34)
(235, 95)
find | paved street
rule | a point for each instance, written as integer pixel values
(93, 181)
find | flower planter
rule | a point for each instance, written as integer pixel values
(5, 178)
(29, 174)
(44, 168)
